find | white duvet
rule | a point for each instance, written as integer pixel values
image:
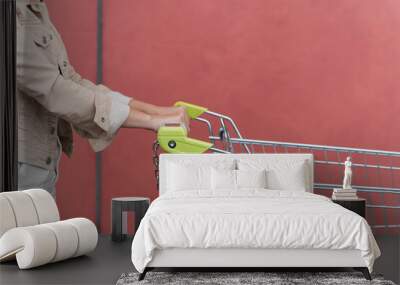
(250, 219)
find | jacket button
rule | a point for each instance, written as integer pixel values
(103, 119)
(65, 63)
(48, 160)
(44, 40)
(52, 130)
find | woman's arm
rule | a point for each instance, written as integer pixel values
(152, 109)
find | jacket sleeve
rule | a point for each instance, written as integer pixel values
(39, 76)
(119, 110)
(76, 77)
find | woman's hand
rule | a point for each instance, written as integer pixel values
(183, 117)
(180, 117)
(143, 115)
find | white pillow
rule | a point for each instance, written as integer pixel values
(251, 178)
(291, 175)
(237, 179)
(223, 179)
(181, 177)
(187, 174)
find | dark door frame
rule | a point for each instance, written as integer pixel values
(8, 112)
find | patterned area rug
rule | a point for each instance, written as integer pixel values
(243, 278)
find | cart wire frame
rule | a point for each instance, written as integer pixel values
(378, 170)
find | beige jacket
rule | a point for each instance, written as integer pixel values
(52, 97)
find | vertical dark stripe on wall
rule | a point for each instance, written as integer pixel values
(8, 112)
(99, 79)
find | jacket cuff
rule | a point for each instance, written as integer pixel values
(112, 110)
(100, 144)
(102, 104)
(119, 112)
(119, 97)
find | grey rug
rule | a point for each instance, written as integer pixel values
(233, 278)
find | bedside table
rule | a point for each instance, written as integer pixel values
(119, 207)
(357, 205)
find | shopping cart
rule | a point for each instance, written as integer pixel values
(376, 172)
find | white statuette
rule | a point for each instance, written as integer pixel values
(347, 174)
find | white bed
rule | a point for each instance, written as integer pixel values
(198, 222)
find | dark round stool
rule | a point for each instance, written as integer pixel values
(119, 207)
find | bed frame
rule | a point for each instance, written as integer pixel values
(242, 259)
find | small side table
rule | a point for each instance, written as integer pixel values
(119, 207)
(357, 205)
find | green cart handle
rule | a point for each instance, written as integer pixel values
(174, 139)
(192, 110)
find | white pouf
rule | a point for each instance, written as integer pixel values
(31, 233)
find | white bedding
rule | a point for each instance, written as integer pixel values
(251, 218)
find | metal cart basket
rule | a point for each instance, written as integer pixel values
(376, 172)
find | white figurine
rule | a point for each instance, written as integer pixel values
(347, 174)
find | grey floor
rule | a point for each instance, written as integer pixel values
(110, 260)
(103, 266)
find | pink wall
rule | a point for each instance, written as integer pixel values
(305, 71)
